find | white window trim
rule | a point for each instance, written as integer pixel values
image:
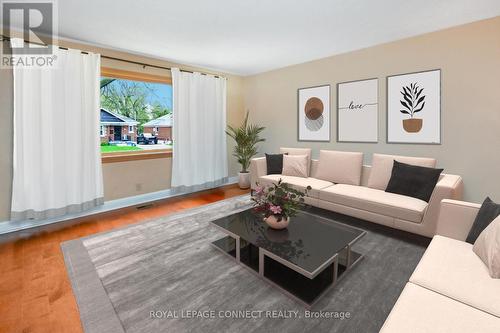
(131, 129)
(103, 131)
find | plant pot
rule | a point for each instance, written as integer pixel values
(244, 180)
(272, 222)
(412, 125)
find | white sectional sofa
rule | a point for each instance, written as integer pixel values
(451, 289)
(367, 199)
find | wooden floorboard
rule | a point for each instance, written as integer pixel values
(35, 292)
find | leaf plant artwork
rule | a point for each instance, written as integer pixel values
(413, 102)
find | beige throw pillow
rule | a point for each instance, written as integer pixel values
(340, 167)
(295, 165)
(299, 151)
(381, 169)
(487, 247)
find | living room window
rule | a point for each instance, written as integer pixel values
(136, 113)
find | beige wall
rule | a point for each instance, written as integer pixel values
(469, 57)
(6, 118)
(124, 179)
(120, 179)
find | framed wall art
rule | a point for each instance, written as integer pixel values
(414, 108)
(314, 113)
(357, 111)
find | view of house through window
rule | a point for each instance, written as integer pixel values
(135, 115)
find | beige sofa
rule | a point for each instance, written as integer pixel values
(451, 289)
(368, 200)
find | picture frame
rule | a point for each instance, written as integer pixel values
(414, 108)
(357, 111)
(313, 114)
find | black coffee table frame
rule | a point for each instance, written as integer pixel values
(301, 284)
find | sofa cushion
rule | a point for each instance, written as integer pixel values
(451, 268)
(298, 183)
(295, 165)
(413, 180)
(419, 310)
(376, 201)
(381, 170)
(340, 167)
(299, 151)
(487, 248)
(274, 164)
(488, 212)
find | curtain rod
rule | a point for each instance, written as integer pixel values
(144, 65)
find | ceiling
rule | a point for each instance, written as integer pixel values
(251, 36)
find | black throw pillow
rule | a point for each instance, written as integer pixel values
(413, 181)
(274, 164)
(488, 212)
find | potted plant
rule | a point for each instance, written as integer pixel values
(413, 102)
(278, 203)
(246, 137)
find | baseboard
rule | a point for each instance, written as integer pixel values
(7, 227)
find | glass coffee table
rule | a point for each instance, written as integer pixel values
(304, 260)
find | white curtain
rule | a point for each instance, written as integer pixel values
(199, 139)
(57, 160)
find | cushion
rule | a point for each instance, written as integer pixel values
(274, 163)
(488, 212)
(381, 169)
(419, 310)
(340, 167)
(376, 201)
(487, 247)
(295, 165)
(299, 183)
(451, 268)
(299, 151)
(413, 181)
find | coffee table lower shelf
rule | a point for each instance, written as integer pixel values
(303, 286)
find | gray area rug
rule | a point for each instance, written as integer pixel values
(164, 276)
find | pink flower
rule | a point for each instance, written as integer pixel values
(275, 209)
(259, 190)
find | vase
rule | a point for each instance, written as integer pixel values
(244, 180)
(412, 125)
(272, 222)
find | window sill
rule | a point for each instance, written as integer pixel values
(135, 155)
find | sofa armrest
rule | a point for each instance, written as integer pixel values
(456, 218)
(448, 187)
(258, 168)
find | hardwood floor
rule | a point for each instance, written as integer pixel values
(35, 292)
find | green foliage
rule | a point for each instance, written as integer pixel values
(126, 98)
(105, 81)
(130, 98)
(246, 137)
(282, 196)
(112, 149)
(159, 110)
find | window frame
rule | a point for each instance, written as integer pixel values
(113, 157)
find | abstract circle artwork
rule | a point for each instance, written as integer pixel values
(314, 114)
(313, 108)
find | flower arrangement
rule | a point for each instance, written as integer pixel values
(279, 200)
